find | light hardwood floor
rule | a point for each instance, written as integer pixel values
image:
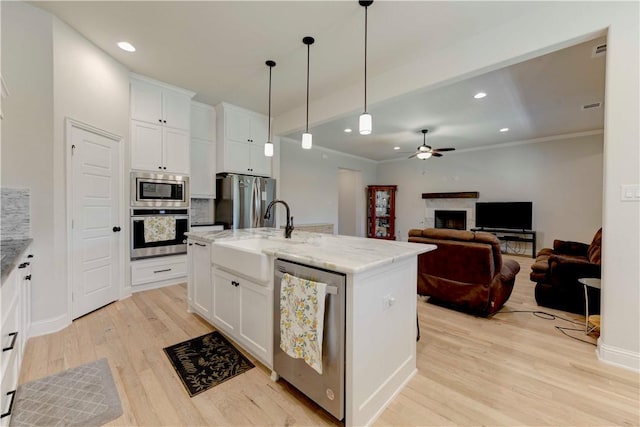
(511, 369)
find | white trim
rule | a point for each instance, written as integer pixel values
(145, 79)
(513, 143)
(49, 326)
(618, 357)
(70, 123)
(328, 150)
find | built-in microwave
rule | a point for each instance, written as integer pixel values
(159, 190)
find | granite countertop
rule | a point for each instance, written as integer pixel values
(12, 252)
(345, 254)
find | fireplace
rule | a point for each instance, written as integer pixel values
(456, 220)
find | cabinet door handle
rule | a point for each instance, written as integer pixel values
(234, 283)
(27, 277)
(164, 121)
(116, 229)
(162, 271)
(200, 244)
(160, 120)
(30, 256)
(11, 393)
(160, 167)
(164, 168)
(23, 265)
(13, 341)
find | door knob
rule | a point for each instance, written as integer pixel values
(116, 229)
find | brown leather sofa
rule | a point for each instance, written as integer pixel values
(556, 273)
(466, 272)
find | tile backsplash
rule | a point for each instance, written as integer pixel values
(15, 221)
(202, 211)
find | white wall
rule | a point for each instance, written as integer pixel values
(93, 88)
(563, 179)
(349, 192)
(55, 73)
(27, 137)
(309, 181)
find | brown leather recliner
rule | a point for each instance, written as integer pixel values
(466, 272)
(556, 273)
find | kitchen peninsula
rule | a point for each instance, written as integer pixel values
(231, 284)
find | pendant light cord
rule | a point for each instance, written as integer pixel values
(366, 9)
(269, 134)
(308, 50)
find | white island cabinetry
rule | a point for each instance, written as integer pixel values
(380, 313)
(199, 284)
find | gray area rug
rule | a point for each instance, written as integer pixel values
(81, 396)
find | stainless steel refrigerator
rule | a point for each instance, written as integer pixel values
(242, 200)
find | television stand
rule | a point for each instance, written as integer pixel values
(510, 235)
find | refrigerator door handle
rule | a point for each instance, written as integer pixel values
(256, 204)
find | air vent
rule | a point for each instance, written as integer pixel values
(592, 105)
(599, 50)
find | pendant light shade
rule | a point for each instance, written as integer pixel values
(365, 122)
(268, 146)
(307, 138)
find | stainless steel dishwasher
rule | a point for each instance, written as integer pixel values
(327, 390)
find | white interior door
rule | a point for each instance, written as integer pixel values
(95, 187)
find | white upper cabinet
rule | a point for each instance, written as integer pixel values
(203, 151)
(157, 104)
(240, 144)
(160, 126)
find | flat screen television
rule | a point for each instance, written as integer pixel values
(509, 215)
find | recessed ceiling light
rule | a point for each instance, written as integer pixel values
(347, 130)
(504, 130)
(479, 95)
(396, 148)
(126, 46)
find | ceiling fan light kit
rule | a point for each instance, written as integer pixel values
(425, 151)
(268, 146)
(307, 138)
(365, 123)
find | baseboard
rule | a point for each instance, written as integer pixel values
(618, 357)
(43, 327)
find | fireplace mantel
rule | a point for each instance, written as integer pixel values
(455, 195)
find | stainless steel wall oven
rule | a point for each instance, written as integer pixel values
(159, 190)
(157, 232)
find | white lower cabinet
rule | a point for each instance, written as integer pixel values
(225, 301)
(243, 309)
(15, 315)
(160, 271)
(200, 290)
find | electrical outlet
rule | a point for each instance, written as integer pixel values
(630, 193)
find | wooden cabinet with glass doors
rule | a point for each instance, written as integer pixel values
(381, 214)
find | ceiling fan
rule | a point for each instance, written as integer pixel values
(425, 151)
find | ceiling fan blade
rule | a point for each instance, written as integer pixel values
(443, 149)
(434, 154)
(413, 155)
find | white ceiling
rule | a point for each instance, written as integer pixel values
(218, 49)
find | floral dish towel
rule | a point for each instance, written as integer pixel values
(302, 319)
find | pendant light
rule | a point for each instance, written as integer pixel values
(307, 138)
(365, 122)
(268, 146)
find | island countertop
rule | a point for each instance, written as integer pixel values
(345, 254)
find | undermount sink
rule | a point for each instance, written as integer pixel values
(245, 256)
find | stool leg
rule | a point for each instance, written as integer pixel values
(418, 324)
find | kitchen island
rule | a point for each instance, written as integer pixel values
(380, 315)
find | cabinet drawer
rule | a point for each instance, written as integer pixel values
(155, 270)
(9, 384)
